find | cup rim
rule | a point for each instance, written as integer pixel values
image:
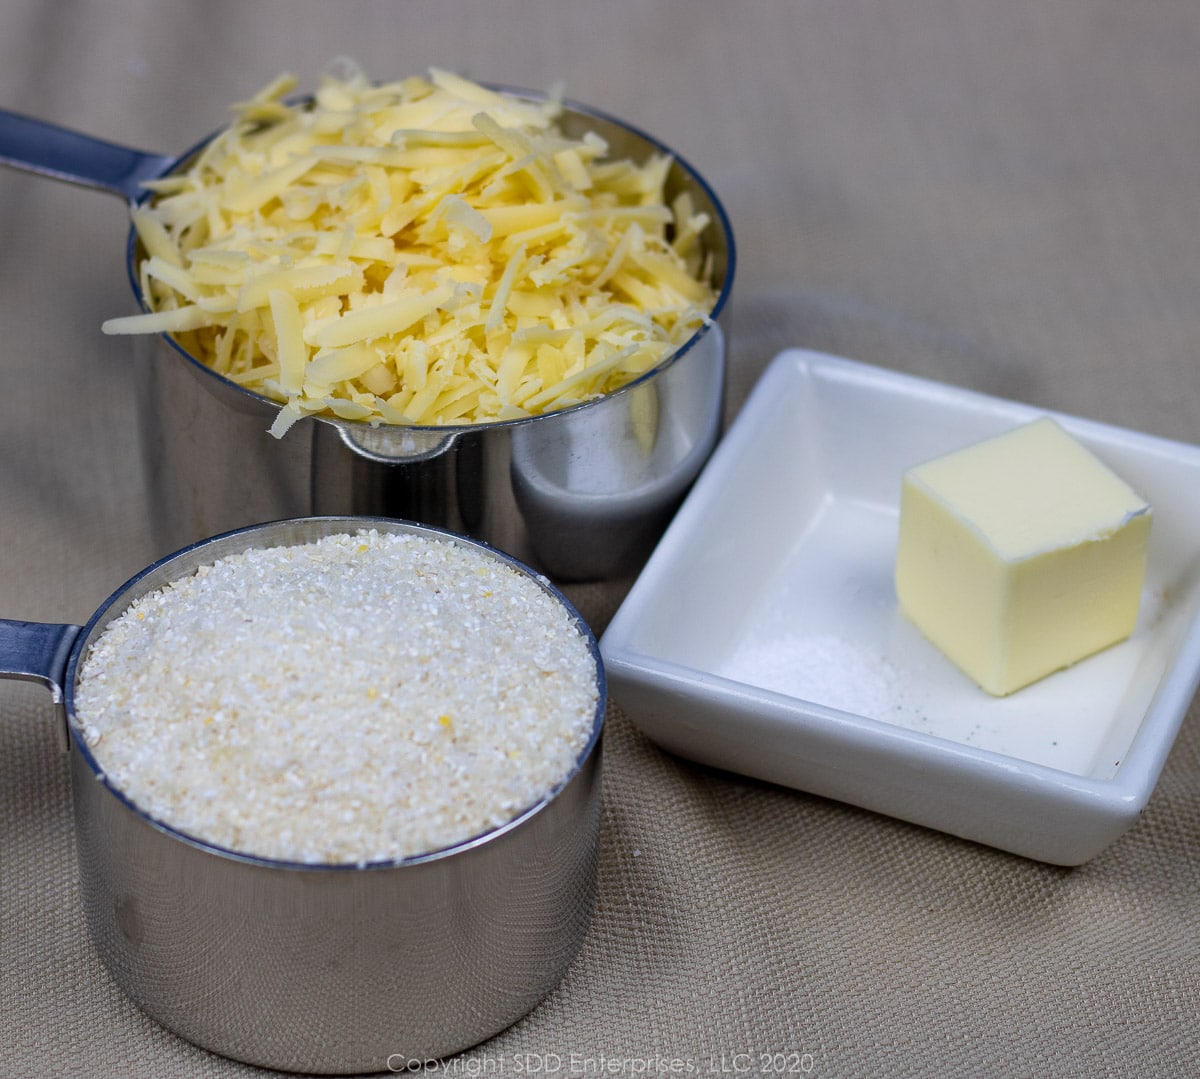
(188, 558)
(225, 387)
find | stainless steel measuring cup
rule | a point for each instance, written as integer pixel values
(583, 493)
(310, 968)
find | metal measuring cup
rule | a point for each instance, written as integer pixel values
(582, 493)
(320, 968)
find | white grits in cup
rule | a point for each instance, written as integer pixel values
(359, 698)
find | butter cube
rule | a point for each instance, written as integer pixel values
(1020, 555)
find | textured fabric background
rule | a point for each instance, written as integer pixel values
(1001, 196)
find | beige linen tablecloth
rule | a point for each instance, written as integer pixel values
(1002, 196)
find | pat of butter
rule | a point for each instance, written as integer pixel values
(1020, 555)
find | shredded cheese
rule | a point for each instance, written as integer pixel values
(427, 251)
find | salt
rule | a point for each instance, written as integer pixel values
(824, 669)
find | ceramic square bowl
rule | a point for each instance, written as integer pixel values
(764, 637)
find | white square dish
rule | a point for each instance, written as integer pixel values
(763, 635)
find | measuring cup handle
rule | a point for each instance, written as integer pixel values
(38, 652)
(37, 146)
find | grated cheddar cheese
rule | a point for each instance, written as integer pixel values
(427, 251)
